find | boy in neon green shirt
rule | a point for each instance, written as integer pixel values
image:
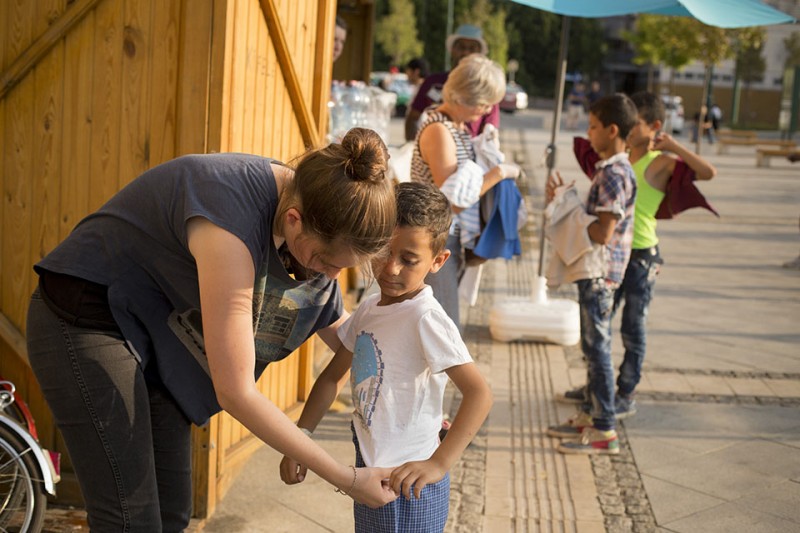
(654, 155)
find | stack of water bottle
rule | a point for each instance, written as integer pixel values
(354, 104)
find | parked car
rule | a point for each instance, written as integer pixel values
(674, 119)
(515, 98)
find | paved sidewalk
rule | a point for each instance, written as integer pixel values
(715, 445)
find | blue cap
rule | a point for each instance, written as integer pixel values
(468, 31)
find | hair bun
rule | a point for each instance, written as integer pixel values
(366, 155)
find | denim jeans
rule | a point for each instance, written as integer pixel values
(637, 291)
(596, 299)
(129, 443)
(445, 282)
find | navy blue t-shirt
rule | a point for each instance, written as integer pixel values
(136, 245)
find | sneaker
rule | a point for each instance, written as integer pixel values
(624, 406)
(572, 396)
(572, 428)
(592, 441)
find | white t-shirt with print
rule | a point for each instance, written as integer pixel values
(400, 353)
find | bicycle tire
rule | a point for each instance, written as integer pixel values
(23, 501)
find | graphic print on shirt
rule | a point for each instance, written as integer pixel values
(283, 318)
(366, 377)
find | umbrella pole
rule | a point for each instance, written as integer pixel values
(561, 71)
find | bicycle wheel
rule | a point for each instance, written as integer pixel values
(23, 501)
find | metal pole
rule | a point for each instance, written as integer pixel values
(449, 32)
(561, 75)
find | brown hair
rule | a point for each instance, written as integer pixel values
(616, 109)
(343, 194)
(422, 205)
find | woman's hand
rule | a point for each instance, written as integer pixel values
(416, 474)
(372, 488)
(509, 170)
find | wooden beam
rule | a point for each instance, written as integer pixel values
(12, 336)
(323, 62)
(308, 129)
(31, 56)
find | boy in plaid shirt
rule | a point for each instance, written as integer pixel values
(611, 199)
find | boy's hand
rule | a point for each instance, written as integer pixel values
(665, 142)
(553, 182)
(416, 474)
(292, 472)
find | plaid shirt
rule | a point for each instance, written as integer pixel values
(614, 191)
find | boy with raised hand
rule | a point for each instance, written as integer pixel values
(656, 158)
(611, 199)
(400, 347)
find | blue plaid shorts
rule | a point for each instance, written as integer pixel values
(428, 514)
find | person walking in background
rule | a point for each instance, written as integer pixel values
(576, 105)
(594, 94)
(611, 199)
(654, 155)
(164, 307)
(466, 40)
(443, 146)
(399, 348)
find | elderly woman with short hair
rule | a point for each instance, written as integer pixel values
(442, 148)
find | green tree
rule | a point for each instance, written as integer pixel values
(493, 24)
(792, 43)
(660, 40)
(396, 33)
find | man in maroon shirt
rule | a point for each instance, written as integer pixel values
(467, 39)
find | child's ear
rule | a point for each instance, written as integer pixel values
(439, 261)
(613, 130)
(656, 125)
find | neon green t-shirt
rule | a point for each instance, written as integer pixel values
(647, 201)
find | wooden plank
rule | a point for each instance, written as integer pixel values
(17, 198)
(48, 112)
(308, 128)
(248, 77)
(261, 120)
(47, 13)
(11, 335)
(193, 82)
(220, 76)
(76, 152)
(323, 62)
(134, 157)
(163, 81)
(4, 36)
(239, 64)
(106, 103)
(24, 61)
(204, 451)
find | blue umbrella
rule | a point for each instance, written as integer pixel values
(720, 13)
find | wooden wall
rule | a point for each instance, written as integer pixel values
(93, 92)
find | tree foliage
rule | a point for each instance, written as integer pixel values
(792, 43)
(396, 33)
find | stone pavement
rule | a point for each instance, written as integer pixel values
(715, 445)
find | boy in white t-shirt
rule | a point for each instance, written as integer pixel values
(400, 348)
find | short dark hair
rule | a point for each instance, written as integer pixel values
(649, 106)
(341, 23)
(419, 63)
(423, 205)
(616, 109)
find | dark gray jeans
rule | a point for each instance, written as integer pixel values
(129, 443)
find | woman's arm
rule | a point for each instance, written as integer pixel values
(438, 149)
(323, 393)
(226, 273)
